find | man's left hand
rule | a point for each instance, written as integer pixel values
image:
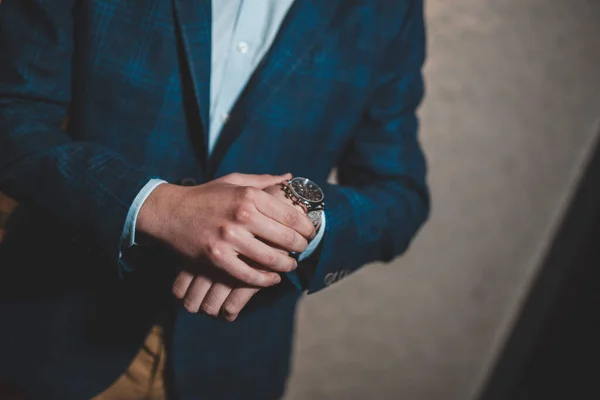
(218, 297)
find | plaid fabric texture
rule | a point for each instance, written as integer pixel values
(339, 88)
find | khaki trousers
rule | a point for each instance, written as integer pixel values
(143, 379)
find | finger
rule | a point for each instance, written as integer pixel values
(196, 293)
(236, 301)
(280, 236)
(241, 271)
(214, 299)
(285, 214)
(181, 284)
(274, 246)
(267, 257)
(257, 181)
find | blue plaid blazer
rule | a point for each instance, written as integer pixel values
(339, 88)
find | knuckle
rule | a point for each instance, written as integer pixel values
(230, 318)
(230, 311)
(209, 309)
(231, 178)
(291, 218)
(253, 277)
(178, 290)
(269, 259)
(246, 277)
(302, 244)
(248, 193)
(289, 239)
(243, 214)
(260, 278)
(228, 233)
(215, 251)
(190, 305)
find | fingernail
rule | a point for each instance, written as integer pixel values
(276, 280)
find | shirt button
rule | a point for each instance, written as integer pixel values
(242, 47)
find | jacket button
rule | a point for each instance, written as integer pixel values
(188, 182)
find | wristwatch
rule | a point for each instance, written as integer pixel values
(307, 194)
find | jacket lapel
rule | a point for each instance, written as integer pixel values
(304, 24)
(194, 25)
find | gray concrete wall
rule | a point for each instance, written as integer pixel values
(513, 94)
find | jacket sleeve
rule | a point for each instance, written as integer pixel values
(382, 198)
(86, 187)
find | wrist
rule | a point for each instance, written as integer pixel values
(151, 217)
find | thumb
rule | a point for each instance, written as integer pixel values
(258, 181)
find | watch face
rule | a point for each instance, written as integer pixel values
(307, 190)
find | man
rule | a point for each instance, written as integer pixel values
(179, 215)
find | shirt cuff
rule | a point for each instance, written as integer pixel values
(294, 276)
(128, 236)
(312, 246)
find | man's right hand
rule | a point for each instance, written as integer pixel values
(229, 223)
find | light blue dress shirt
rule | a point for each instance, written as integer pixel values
(242, 32)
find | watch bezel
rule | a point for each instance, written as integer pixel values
(302, 198)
